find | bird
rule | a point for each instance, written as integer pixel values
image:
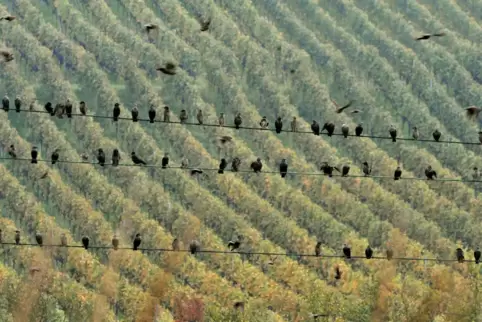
(199, 117)
(150, 27)
(221, 119)
(115, 158)
(389, 253)
(460, 255)
(329, 127)
(480, 137)
(428, 36)
(101, 157)
(340, 109)
(68, 108)
(55, 156)
(168, 69)
(477, 255)
(327, 169)
(6, 103)
(11, 151)
(194, 247)
(346, 251)
(85, 242)
(430, 173)
(152, 114)
(116, 112)
(257, 165)
(17, 237)
(83, 108)
(32, 106)
(398, 174)
(264, 123)
(115, 242)
(345, 130)
(393, 133)
(183, 116)
(436, 135)
(6, 56)
(136, 159)
(294, 124)
(48, 107)
(472, 112)
(84, 157)
(359, 129)
(233, 245)
(18, 104)
(184, 163)
(8, 18)
(222, 166)
(235, 164)
(415, 133)
(475, 174)
(205, 24)
(315, 127)
(165, 161)
(137, 242)
(283, 168)
(34, 154)
(63, 240)
(368, 252)
(318, 249)
(135, 113)
(175, 244)
(356, 111)
(39, 238)
(239, 306)
(278, 125)
(196, 172)
(367, 170)
(337, 273)
(238, 121)
(167, 114)
(344, 170)
(59, 110)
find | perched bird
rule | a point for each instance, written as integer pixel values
(415, 133)
(183, 117)
(59, 110)
(6, 103)
(116, 112)
(359, 129)
(34, 155)
(165, 161)
(346, 251)
(55, 156)
(136, 159)
(39, 238)
(194, 247)
(436, 135)
(345, 130)
(85, 242)
(17, 237)
(200, 117)
(257, 165)
(344, 170)
(278, 125)
(167, 114)
(398, 174)
(205, 24)
(389, 253)
(8, 18)
(393, 133)
(135, 113)
(294, 125)
(222, 166)
(476, 174)
(168, 69)
(6, 56)
(18, 104)
(340, 109)
(152, 114)
(48, 107)
(472, 112)
(115, 242)
(235, 164)
(480, 137)
(368, 252)
(427, 36)
(84, 157)
(477, 255)
(233, 245)
(137, 242)
(264, 123)
(68, 108)
(328, 169)
(460, 255)
(63, 240)
(238, 120)
(430, 173)
(11, 151)
(318, 249)
(283, 168)
(221, 119)
(175, 244)
(115, 157)
(367, 170)
(184, 163)
(337, 273)
(83, 108)
(329, 127)
(101, 157)
(315, 127)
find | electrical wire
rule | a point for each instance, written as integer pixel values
(247, 171)
(255, 128)
(238, 252)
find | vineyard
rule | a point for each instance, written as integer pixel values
(285, 58)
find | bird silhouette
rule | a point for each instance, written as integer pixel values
(137, 242)
(136, 159)
(116, 112)
(165, 161)
(346, 251)
(18, 104)
(101, 157)
(115, 242)
(55, 156)
(460, 255)
(194, 247)
(368, 252)
(85, 242)
(345, 130)
(436, 135)
(222, 166)
(315, 127)
(168, 69)
(17, 237)
(257, 165)
(283, 168)
(39, 238)
(477, 255)
(152, 114)
(278, 125)
(11, 151)
(34, 155)
(393, 133)
(430, 173)
(428, 36)
(398, 174)
(318, 248)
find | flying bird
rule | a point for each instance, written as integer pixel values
(18, 104)
(460, 255)
(115, 157)
(436, 135)
(136, 159)
(238, 121)
(264, 123)
(150, 27)
(221, 119)
(165, 161)
(83, 108)
(368, 252)
(183, 116)
(294, 125)
(477, 255)
(101, 157)
(367, 170)
(6, 56)
(194, 247)
(200, 117)
(315, 127)
(48, 107)
(345, 130)
(283, 168)
(17, 237)
(115, 242)
(196, 172)
(344, 170)
(11, 151)
(329, 127)
(176, 244)
(135, 113)
(63, 240)
(168, 69)
(393, 133)
(472, 112)
(415, 133)
(235, 164)
(428, 36)
(85, 242)
(278, 125)
(257, 165)
(152, 114)
(8, 18)
(6, 103)
(389, 253)
(430, 173)
(55, 156)
(359, 129)
(39, 239)
(68, 108)
(340, 109)
(346, 251)
(137, 242)
(398, 174)
(318, 249)
(205, 24)
(116, 112)
(222, 166)
(34, 155)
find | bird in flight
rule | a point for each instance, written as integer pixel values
(428, 36)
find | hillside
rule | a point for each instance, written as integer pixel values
(258, 58)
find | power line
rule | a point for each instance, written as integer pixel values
(236, 252)
(245, 171)
(256, 128)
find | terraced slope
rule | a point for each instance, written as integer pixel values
(97, 51)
